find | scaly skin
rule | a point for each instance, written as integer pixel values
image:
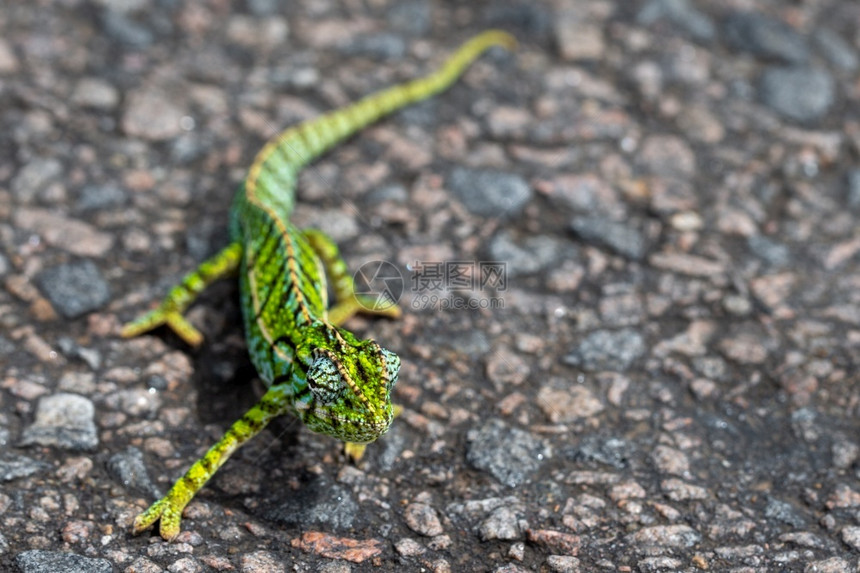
(335, 383)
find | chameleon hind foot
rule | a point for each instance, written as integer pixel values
(167, 316)
(168, 512)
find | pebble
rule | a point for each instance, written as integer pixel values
(608, 350)
(65, 421)
(98, 197)
(618, 237)
(679, 13)
(565, 401)
(14, 467)
(95, 93)
(261, 562)
(122, 28)
(412, 17)
(68, 234)
(75, 288)
(503, 523)
(770, 251)
(422, 519)
(664, 536)
(578, 39)
(379, 46)
(798, 93)
(851, 536)
(34, 178)
(355, 550)
(563, 564)
(38, 561)
(315, 504)
(837, 51)
(8, 61)
(765, 37)
(784, 512)
(667, 156)
(853, 189)
(409, 547)
(531, 254)
(152, 114)
(524, 19)
(508, 454)
(489, 193)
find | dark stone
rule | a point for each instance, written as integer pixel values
(681, 14)
(129, 468)
(619, 237)
(95, 197)
(608, 350)
(410, 17)
(14, 467)
(798, 93)
(315, 504)
(75, 288)
(38, 561)
(508, 454)
(770, 251)
(489, 193)
(766, 38)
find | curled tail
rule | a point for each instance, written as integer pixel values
(275, 167)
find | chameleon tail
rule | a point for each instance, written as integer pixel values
(275, 166)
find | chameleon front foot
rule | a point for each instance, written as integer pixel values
(163, 316)
(165, 510)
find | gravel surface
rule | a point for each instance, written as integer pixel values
(630, 258)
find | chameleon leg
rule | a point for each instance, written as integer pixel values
(347, 302)
(169, 508)
(181, 296)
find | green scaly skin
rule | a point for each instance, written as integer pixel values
(335, 383)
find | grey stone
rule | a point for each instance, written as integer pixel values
(34, 177)
(488, 192)
(766, 38)
(38, 561)
(785, 512)
(319, 503)
(853, 189)
(14, 467)
(377, 46)
(608, 350)
(532, 19)
(122, 28)
(614, 452)
(129, 468)
(531, 254)
(508, 454)
(619, 237)
(503, 523)
(798, 93)
(4, 265)
(95, 197)
(681, 14)
(65, 421)
(837, 51)
(770, 251)
(75, 288)
(410, 17)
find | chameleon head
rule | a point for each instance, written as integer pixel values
(350, 390)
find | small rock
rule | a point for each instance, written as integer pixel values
(14, 467)
(565, 401)
(503, 523)
(380, 46)
(670, 460)
(8, 60)
(777, 510)
(122, 28)
(769, 250)
(578, 39)
(409, 548)
(765, 37)
(530, 255)
(318, 503)
(854, 188)
(489, 193)
(34, 177)
(668, 156)
(422, 519)
(75, 288)
(412, 17)
(851, 536)
(837, 51)
(608, 350)
(65, 421)
(508, 454)
(96, 197)
(523, 18)
(679, 490)
(680, 13)
(563, 564)
(129, 468)
(798, 93)
(152, 114)
(260, 561)
(71, 235)
(664, 536)
(619, 237)
(355, 550)
(95, 93)
(38, 561)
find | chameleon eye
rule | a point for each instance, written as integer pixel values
(324, 379)
(392, 367)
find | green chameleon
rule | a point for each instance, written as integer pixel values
(335, 383)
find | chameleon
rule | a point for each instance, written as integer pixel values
(335, 383)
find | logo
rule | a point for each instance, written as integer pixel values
(378, 285)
